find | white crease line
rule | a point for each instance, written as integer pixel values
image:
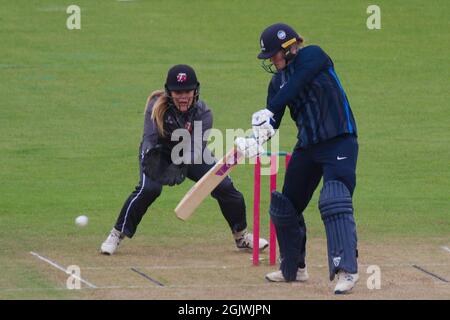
(163, 267)
(446, 248)
(57, 266)
(142, 287)
(63, 288)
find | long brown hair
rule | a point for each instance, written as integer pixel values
(159, 109)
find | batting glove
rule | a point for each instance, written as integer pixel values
(249, 147)
(262, 127)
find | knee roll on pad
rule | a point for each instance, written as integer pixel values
(289, 234)
(335, 198)
(281, 208)
(336, 208)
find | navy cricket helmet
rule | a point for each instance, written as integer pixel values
(276, 37)
(181, 77)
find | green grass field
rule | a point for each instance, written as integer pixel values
(71, 119)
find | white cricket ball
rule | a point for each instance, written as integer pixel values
(81, 221)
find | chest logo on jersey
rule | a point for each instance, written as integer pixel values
(188, 126)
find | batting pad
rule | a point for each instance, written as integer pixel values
(336, 208)
(289, 234)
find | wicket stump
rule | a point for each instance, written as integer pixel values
(257, 205)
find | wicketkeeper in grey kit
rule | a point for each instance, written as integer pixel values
(177, 107)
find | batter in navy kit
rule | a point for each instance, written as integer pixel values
(304, 80)
(177, 107)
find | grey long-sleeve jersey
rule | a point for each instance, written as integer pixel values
(197, 120)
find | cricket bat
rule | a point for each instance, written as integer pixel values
(207, 184)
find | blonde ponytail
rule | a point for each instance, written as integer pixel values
(159, 109)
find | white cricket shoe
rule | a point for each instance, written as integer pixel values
(277, 276)
(112, 242)
(244, 240)
(345, 282)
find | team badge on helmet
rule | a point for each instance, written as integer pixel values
(181, 77)
(262, 45)
(281, 34)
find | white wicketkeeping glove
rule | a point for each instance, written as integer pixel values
(249, 147)
(262, 129)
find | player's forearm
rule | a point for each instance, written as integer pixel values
(288, 92)
(150, 134)
(149, 140)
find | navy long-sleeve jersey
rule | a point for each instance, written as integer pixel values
(317, 102)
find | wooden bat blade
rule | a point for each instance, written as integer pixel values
(200, 190)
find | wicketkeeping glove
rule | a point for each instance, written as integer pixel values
(174, 174)
(158, 166)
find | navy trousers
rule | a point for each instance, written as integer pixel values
(334, 159)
